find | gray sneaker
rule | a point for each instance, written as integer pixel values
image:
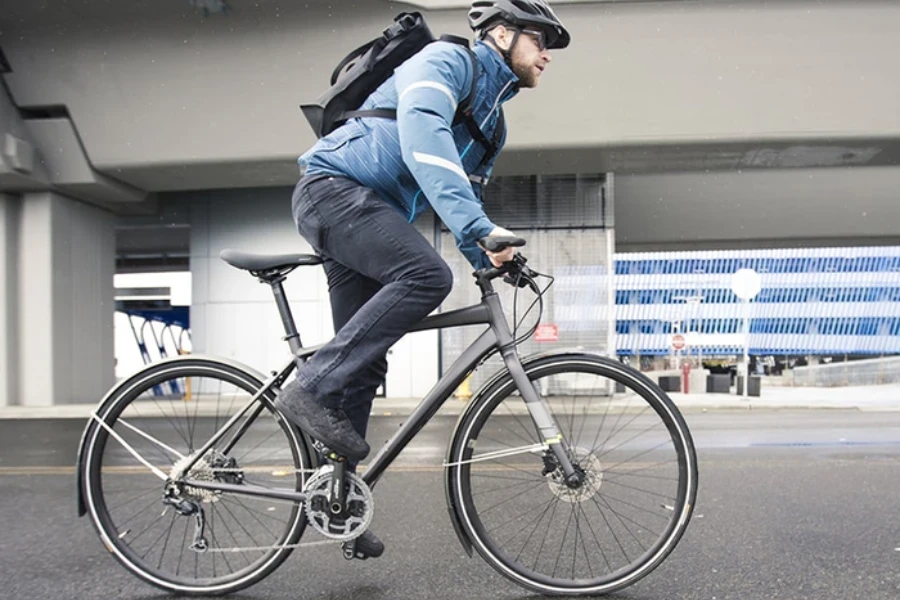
(328, 425)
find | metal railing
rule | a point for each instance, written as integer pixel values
(858, 372)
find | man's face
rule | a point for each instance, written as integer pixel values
(529, 56)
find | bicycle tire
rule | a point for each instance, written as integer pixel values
(99, 467)
(643, 402)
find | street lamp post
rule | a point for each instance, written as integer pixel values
(746, 284)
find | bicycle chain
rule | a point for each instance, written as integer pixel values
(282, 547)
(261, 548)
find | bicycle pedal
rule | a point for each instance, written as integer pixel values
(349, 549)
(326, 452)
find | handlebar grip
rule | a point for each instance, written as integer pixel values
(498, 243)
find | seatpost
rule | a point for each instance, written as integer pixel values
(287, 318)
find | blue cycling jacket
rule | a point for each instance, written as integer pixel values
(422, 158)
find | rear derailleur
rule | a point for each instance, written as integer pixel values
(188, 508)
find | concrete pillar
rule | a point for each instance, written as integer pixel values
(66, 303)
(9, 364)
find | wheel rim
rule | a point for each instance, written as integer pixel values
(180, 410)
(629, 513)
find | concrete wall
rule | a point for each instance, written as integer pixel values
(235, 316)
(166, 99)
(59, 289)
(758, 209)
(232, 314)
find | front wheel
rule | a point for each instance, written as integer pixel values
(638, 477)
(183, 539)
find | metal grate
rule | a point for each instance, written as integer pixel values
(564, 219)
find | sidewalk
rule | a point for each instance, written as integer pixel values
(866, 398)
(870, 397)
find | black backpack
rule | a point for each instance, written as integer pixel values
(367, 67)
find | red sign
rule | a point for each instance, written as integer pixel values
(678, 341)
(546, 332)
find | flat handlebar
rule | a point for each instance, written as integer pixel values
(498, 243)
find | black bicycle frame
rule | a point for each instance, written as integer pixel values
(496, 337)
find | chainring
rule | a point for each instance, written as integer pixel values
(359, 502)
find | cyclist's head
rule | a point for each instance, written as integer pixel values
(521, 14)
(503, 23)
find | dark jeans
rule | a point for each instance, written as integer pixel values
(383, 278)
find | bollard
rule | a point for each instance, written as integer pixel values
(464, 391)
(686, 375)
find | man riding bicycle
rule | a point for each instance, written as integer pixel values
(367, 181)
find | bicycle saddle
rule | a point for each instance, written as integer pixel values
(267, 262)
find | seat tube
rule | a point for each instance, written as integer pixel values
(287, 319)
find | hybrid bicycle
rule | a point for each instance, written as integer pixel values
(563, 482)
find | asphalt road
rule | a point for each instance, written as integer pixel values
(791, 505)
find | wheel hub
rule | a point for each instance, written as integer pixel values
(588, 467)
(214, 466)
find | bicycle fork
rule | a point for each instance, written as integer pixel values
(540, 414)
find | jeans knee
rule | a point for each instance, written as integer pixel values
(432, 280)
(441, 280)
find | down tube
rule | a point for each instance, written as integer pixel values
(430, 405)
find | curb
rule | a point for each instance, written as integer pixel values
(453, 408)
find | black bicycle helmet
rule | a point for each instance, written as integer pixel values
(522, 13)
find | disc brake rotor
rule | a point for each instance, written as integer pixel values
(593, 478)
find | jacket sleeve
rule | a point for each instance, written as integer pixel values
(430, 85)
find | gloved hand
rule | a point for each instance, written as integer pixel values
(498, 258)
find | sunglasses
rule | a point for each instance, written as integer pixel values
(539, 37)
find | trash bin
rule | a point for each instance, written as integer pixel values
(753, 389)
(670, 383)
(620, 388)
(718, 384)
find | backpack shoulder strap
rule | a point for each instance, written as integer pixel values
(464, 108)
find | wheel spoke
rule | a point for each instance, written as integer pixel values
(130, 510)
(632, 458)
(537, 525)
(166, 543)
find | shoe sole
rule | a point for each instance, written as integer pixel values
(299, 420)
(362, 550)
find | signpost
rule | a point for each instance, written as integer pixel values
(746, 284)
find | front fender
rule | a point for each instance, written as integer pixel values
(125, 383)
(495, 379)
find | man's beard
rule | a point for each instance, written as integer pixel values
(526, 75)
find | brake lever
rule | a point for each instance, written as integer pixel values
(518, 280)
(518, 273)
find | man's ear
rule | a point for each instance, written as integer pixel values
(503, 36)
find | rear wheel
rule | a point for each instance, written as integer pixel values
(638, 470)
(159, 420)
